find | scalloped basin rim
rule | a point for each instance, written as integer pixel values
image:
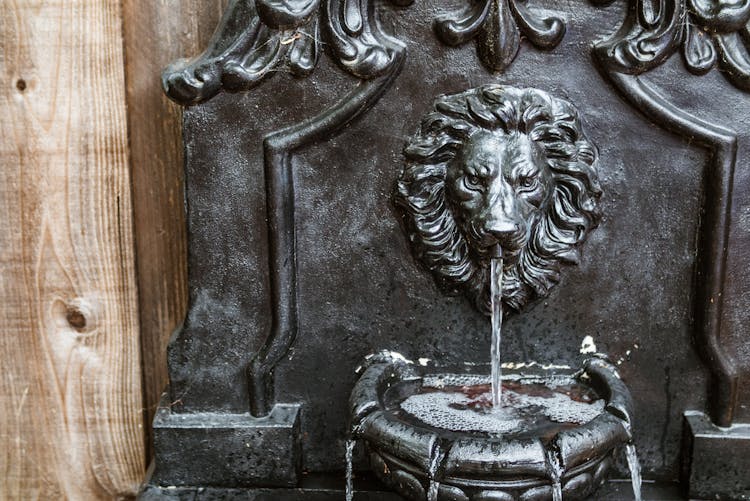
(474, 460)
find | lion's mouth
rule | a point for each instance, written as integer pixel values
(485, 243)
(509, 255)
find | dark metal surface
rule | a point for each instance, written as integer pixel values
(279, 148)
(662, 286)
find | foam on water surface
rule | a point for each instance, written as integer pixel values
(463, 403)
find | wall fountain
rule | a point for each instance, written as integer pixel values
(500, 189)
(380, 175)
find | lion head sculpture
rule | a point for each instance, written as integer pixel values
(497, 165)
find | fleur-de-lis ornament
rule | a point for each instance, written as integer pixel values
(497, 26)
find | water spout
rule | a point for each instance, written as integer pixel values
(635, 470)
(496, 294)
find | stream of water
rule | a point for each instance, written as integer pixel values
(555, 471)
(436, 458)
(432, 493)
(635, 470)
(496, 292)
(557, 491)
(349, 474)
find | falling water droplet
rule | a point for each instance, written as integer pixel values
(496, 294)
(635, 470)
(349, 474)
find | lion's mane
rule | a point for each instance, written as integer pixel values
(556, 234)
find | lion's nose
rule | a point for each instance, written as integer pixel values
(499, 228)
(509, 234)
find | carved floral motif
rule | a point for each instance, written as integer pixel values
(497, 26)
(708, 33)
(259, 37)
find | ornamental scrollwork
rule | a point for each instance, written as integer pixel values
(708, 33)
(257, 38)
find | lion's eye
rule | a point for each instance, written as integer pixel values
(473, 181)
(528, 181)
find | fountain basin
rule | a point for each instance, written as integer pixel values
(422, 460)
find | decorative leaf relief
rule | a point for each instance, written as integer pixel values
(303, 56)
(708, 32)
(356, 39)
(458, 28)
(192, 81)
(284, 14)
(497, 26)
(734, 60)
(649, 12)
(698, 51)
(249, 69)
(647, 38)
(721, 16)
(257, 38)
(498, 40)
(542, 32)
(351, 18)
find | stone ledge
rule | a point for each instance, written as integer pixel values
(329, 487)
(226, 450)
(716, 461)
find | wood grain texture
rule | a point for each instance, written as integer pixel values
(71, 421)
(156, 33)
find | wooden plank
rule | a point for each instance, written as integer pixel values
(71, 422)
(156, 33)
